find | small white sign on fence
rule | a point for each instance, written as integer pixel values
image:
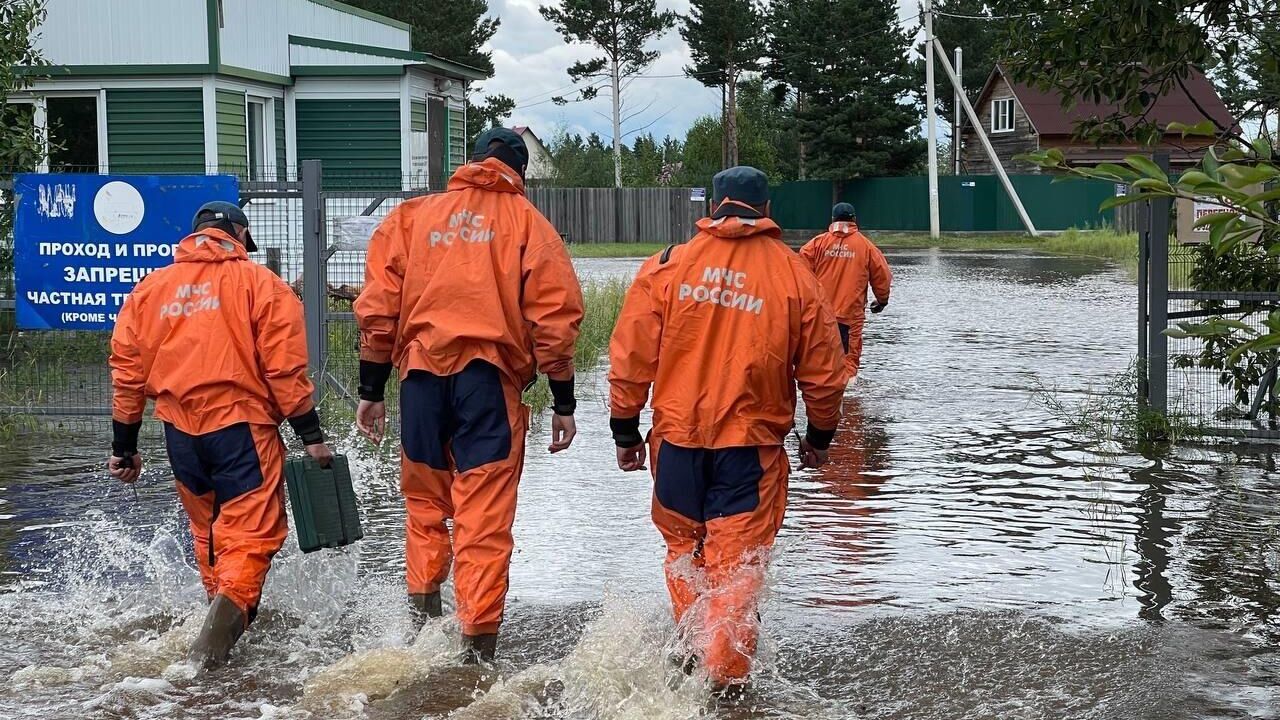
(697, 195)
(353, 233)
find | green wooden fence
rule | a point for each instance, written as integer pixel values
(974, 203)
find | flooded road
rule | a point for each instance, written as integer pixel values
(965, 555)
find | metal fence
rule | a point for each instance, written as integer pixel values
(968, 203)
(309, 228)
(1193, 379)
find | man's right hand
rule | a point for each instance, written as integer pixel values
(810, 456)
(631, 459)
(125, 469)
(371, 420)
(321, 453)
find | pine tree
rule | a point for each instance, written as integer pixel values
(452, 29)
(455, 30)
(853, 84)
(726, 38)
(620, 30)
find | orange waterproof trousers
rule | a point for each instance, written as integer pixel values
(463, 441)
(719, 512)
(231, 483)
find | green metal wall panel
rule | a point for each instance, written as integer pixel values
(233, 134)
(457, 124)
(418, 116)
(282, 155)
(804, 204)
(156, 130)
(357, 140)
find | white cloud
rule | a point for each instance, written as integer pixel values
(530, 61)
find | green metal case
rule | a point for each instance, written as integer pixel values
(324, 503)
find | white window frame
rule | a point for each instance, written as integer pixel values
(259, 172)
(40, 106)
(997, 115)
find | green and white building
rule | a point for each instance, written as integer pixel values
(251, 87)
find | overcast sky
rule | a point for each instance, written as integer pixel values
(530, 59)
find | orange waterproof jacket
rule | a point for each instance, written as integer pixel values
(725, 329)
(215, 338)
(846, 261)
(472, 273)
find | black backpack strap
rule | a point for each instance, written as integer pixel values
(666, 255)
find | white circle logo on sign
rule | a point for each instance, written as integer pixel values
(119, 208)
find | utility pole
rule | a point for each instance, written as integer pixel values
(955, 125)
(934, 229)
(986, 145)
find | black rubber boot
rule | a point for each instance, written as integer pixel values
(425, 606)
(223, 626)
(479, 648)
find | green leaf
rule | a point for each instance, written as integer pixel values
(1118, 200)
(1176, 334)
(1210, 165)
(1145, 166)
(1194, 178)
(1215, 219)
(1242, 176)
(1263, 197)
(1117, 171)
(1204, 128)
(1262, 146)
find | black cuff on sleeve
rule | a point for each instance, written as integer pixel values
(819, 439)
(626, 431)
(307, 426)
(373, 380)
(563, 400)
(124, 437)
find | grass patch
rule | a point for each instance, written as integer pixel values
(615, 250)
(1112, 414)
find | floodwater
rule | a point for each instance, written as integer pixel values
(965, 555)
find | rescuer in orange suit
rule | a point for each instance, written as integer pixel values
(724, 328)
(468, 293)
(218, 341)
(846, 262)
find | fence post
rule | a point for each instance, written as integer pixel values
(1158, 278)
(1142, 213)
(313, 281)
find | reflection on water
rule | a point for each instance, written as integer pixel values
(965, 555)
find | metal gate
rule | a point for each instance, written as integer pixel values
(303, 231)
(1187, 378)
(335, 247)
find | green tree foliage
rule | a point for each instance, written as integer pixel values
(1250, 82)
(702, 150)
(620, 30)
(452, 29)
(581, 162)
(455, 30)
(589, 162)
(1131, 52)
(1128, 52)
(490, 113)
(726, 38)
(20, 146)
(847, 62)
(771, 114)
